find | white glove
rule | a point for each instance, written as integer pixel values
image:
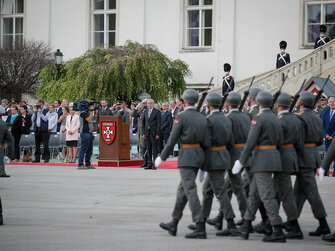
(202, 175)
(158, 161)
(321, 174)
(237, 167)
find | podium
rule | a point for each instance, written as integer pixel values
(114, 143)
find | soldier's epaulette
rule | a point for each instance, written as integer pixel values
(259, 113)
(280, 116)
(228, 114)
(299, 113)
(208, 115)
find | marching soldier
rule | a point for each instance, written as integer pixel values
(228, 83)
(289, 160)
(5, 138)
(234, 183)
(190, 129)
(322, 39)
(305, 186)
(220, 140)
(265, 137)
(253, 111)
(320, 107)
(253, 106)
(283, 58)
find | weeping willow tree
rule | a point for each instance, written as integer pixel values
(116, 73)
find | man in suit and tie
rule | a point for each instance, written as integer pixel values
(328, 120)
(165, 126)
(58, 110)
(151, 126)
(180, 105)
(103, 110)
(174, 108)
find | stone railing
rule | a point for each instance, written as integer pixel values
(311, 65)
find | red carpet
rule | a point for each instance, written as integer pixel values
(165, 165)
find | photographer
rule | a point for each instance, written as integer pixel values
(86, 130)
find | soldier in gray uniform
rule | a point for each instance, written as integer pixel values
(265, 138)
(289, 160)
(190, 130)
(138, 113)
(305, 186)
(5, 138)
(234, 183)
(221, 140)
(253, 106)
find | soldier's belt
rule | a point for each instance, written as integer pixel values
(239, 145)
(310, 145)
(265, 147)
(189, 146)
(218, 148)
(288, 146)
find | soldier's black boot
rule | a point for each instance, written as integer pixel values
(240, 222)
(171, 226)
(329, 238)
(229, 230)
(322, 229)
(295, 232)
(217, 221)
(192, 227)
(264, 227)
(199, 233)
(276, 236)
(244, 230)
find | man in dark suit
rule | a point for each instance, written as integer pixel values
(151, 125)
(103, 111)
(328, 120)
(58, 110)
(180, 105)
(165, 126)
(42, 135)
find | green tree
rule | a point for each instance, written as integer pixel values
(116, 73)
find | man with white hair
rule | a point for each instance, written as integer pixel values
(328, 120)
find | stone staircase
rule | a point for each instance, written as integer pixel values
(318, 63)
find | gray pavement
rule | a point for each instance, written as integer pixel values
(62, 208)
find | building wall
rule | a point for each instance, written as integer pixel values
(246, 33)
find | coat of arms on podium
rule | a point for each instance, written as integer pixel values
(108, 130)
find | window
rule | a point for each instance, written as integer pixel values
(316, 13)
(11, 23)
(103, 23)
(198, 24)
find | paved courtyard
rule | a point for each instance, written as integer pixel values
(62, 208)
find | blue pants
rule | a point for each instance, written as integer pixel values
(327, 144)
(86, 149)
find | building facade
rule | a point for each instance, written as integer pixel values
(204, 33)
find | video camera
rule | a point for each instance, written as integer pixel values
(84, 105)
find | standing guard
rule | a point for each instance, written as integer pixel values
(228, 83)
(322, 39)
(283, 58)
(190, 130)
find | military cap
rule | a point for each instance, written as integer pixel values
(226, 67)
(144, 101)
(323, 28)
(283, 44)
(323, 99)
(214, 98)
(2, 110)
(284, 99)
(191, 96)
(233, 98)
(264, 98)
(307, 99)
(254, 91)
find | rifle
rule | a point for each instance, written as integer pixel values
(275, 97)
(246, 94)
(318, 96)
(296, 97)
(204, 94)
